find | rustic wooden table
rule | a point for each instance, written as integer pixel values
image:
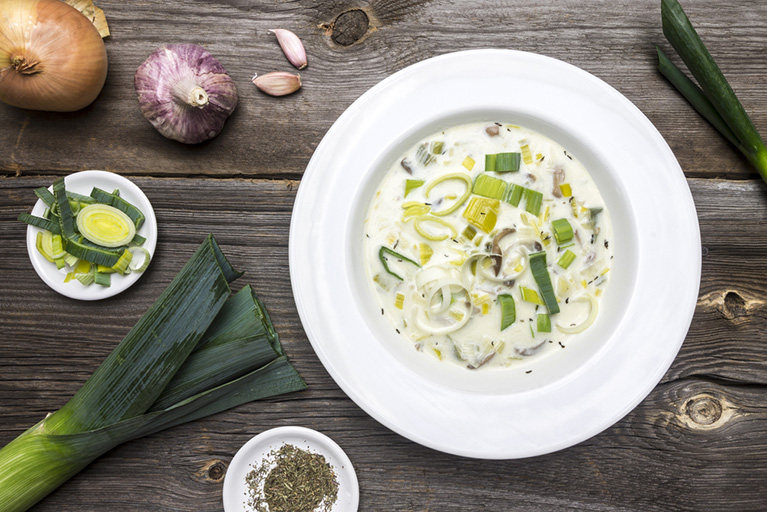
(698, 442)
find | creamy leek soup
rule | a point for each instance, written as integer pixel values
(487, 244)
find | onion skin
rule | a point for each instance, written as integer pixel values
(185, 93)
(51, 56)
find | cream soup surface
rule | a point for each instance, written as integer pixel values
(461, 256)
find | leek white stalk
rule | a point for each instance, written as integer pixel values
(196, 352)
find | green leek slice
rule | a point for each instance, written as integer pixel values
(530, 295)
(543, 280)
(45, 196)
(426, 153)
(382, 255)
(72, 261)
(88, 251)
(468, 234)
(533, 200)
(503, 162)
(40, 222)
(411, 185)
(566, 259)
(490, 163)
(41, 248)
(458, 202)
(87, 278)
(544, 322)
(514, 194)
(482, 213)
(563, 231)
(56, 244)
(102, 278)
(122, 264)
(66, 219)
(508, 310)
(105, 225)
(488, 186)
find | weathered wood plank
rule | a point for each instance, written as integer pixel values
(697, 442)
(276, 136)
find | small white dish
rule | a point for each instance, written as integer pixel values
(556, 401)
(258, 448)
(82, 183)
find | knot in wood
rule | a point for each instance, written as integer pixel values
(216, 470)
(734, 306)
(704, 410)
(349, 27)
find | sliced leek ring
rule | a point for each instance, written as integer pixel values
(105, 225)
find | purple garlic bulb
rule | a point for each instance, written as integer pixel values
(185, 92)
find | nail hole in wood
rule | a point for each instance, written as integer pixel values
(349, 27)
(704, 410)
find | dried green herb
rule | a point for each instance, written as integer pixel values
(292, 480)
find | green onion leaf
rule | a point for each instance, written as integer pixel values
(695, 96)
(543, 280)
(508, 310)
(685, 40)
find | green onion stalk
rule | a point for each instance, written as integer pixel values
(197, 351)
(714, 99)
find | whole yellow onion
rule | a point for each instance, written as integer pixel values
(51, 56)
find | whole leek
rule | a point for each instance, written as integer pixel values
(197, 351)
(714, 99)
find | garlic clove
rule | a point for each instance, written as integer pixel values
(278, 83)
(292, 47)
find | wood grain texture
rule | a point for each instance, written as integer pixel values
(274, 137)
(699, 440)
(696, 443)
